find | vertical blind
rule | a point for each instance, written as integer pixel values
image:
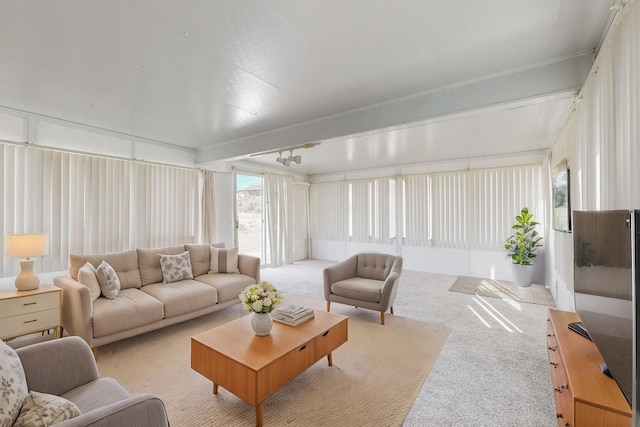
(91, 204)
(461, 209)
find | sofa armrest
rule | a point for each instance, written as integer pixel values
(137, 411)
(249, 266)
(77, 308)
(390, 285)
(340, 271)
(58, 366)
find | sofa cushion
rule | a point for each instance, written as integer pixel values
(200, 256)
(182, 297)
(372, 265)
(43, 410)
(13, 385)
(124, 263)
(359, 289)
(87, 276)
(108, 279)
(224, 260)
(149, 263)
(228, 286)
(130, 309)
(175, 267)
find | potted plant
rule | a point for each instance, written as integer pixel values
(521, 247)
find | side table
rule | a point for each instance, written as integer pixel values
(26, 312)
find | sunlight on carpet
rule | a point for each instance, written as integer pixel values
(504, 290)
(376, 374)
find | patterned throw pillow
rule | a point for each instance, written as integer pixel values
(43, 410)
(175, 267)
(224, 260)
(109, 282)
(13, 385)
(87, 276)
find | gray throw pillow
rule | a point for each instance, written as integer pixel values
(109, 282)
(175, 267)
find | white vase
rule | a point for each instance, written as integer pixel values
(522, 274)
(261, 323)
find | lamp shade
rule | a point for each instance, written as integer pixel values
(27, 245)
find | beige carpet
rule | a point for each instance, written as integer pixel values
(507, 291)
(375, 378)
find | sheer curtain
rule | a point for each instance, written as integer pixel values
(605, 150)
(279, 218)
(92, 204)
(208, 208)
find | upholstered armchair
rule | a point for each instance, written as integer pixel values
(66, 367)
(368, 280)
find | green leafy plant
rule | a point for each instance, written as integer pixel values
(522, 244)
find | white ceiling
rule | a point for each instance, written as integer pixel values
(378, 82)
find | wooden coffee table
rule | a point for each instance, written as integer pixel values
(253, 367)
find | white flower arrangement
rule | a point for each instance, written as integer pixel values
(260, 298)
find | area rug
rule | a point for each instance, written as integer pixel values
(508, 291)
(375, 377)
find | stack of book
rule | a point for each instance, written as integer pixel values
(292, 314)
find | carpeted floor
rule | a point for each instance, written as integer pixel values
(508, 291)
(493, 370)
(375, 378)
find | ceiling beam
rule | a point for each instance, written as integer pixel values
(562, 77)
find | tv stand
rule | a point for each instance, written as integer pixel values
(584, 397)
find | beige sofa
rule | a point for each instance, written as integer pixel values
(144, 303)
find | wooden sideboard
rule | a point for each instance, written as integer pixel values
(584, 395)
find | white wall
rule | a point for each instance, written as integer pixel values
(456, 262)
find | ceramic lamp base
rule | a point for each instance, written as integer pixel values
(26, 280)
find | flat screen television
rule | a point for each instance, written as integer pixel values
(603, 278)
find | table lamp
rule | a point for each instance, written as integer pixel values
(27, 246)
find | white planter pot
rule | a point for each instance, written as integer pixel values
(522, 274)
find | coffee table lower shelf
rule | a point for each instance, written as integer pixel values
(253, 367)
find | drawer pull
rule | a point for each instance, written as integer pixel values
(553, 348)
(325, 334)
(559, 389)
(303, 347)
(30, 303)
(555, 365)
(30, 321)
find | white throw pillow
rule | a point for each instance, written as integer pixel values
(87, 276)
(109, 282)
(224, 260)
(44, 410)
(13, 385)
(176, 267)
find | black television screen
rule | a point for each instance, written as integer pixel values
(561, 201)
(604, 287)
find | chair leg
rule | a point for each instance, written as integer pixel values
(328, 305)
(382, 317)
(391, 309)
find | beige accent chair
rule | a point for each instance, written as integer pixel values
(369, 280)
